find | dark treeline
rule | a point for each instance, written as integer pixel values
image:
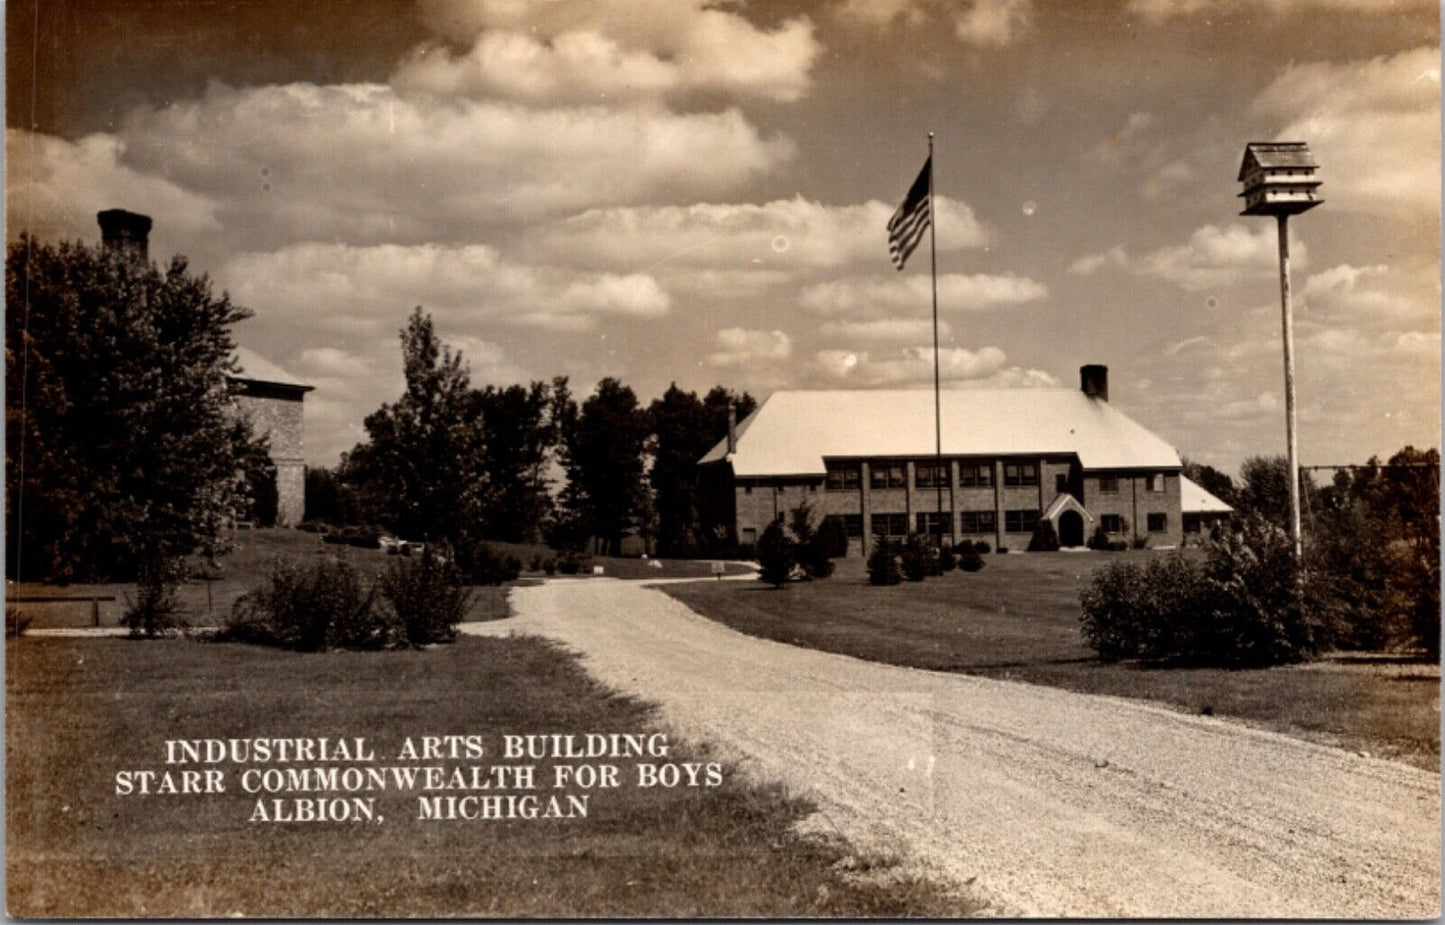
(450, 461)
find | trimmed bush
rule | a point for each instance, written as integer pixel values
(481, 565)
(1045, 538)
(983, 546)
(947, 559)
(426, 597)
(883, 563)
(915, 559)
(970, 560)
(570, 563)
(776, 555)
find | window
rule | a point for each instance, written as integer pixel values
(843, 477)
(1158, 523)
(933, 523)
(1112, 523)
(1154, 482)
(747, 489)
(1021, 521)
(975, 475)
(853, 525)
(1061, 482)
(1109, 484)
(930, 475)
(890, 524)
(1021, 473)
(977, 521)
(887, 475)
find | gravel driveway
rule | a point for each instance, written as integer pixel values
(1045, 802)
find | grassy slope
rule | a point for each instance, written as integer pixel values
(1018, 619)
(79, 710)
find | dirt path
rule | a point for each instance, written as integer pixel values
(1046, 802)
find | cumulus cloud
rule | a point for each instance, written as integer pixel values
(903, 330)
(54, 188)
(1214, 257)
(1374, 126)
(740, 346)
(874, 295)
(361, 164)
(342, 287)
(585, 51)
(909, 366)
(785, 233)
(980, 23)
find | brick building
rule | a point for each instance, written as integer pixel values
(1010, 458)
(269, 396)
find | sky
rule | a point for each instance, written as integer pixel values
(696, 192)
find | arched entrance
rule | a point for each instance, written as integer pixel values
(1071, 529)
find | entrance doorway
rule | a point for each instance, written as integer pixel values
(1071, 529)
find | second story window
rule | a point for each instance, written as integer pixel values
(887, 475)
(843, 477)
(930, 475)
(1154, 481)
(1109, 484)
(975, 475)
(1019, 474)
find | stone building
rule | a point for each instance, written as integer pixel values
(1010, 458)
(272, 399)
(266, 394)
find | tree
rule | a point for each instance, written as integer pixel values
(421, 471)
(602, 447)
(1217, 483)
(328, 499)
(519, 433)
(122, 443)
(684, 428)
(811, 542)
(883, 562)
(1264, 489)
(776, 555)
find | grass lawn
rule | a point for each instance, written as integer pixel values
(79, 710)
(207, 603)
(1019, 619)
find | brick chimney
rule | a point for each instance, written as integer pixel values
(732, 428)
(1094, 380)
(125, 232)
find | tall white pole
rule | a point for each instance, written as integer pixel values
(1289, 409)
(937, 400)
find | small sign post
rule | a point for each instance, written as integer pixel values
(717, 569)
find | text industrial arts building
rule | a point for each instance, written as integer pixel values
(1011, 457)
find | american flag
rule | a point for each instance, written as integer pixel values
(906, 227)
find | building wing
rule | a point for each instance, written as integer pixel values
(1193, 499)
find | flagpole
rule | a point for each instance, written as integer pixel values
(937, 394)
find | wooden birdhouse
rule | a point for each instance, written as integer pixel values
(1279, 178)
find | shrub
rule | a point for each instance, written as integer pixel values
(549, 566)
(970, 559)
(776, 555)
(1045, 538)
(481, 565)
(883, 563)
(833, 536)
(1140, 542)
(570, 562)
(154, 611)
(324, 605)
(915, 559)
(426, 597)
(1002, 550)
(963, 547)
(15, 623)
(1242, 607)
(947, 560)
(536, 564)
(983, 546)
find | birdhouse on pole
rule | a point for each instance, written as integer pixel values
(1278, 178)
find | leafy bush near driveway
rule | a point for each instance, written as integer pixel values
(426, 597)
(1242, 607)
(777, 554)
(327, 604)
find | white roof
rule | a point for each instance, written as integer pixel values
(257, 368)
(792, 432)
(1193, 499)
